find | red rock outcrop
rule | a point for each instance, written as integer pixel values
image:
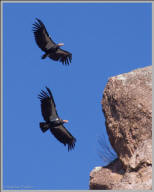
(127, 106)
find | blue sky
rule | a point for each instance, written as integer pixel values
(105, 40)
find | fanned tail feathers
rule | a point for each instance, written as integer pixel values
(44, 126)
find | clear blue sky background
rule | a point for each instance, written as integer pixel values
(105, 40)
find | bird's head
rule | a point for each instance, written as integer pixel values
(60, 44)
(65, 121)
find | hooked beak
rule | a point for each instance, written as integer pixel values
(65, 121)
(60, 44)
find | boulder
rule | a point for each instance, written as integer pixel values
(127, 106)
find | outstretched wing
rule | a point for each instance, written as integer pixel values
(41, 36)
(48, 107)
(64, 136)
(64, 56)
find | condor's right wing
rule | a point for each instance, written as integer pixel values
(48, 107)
(42, 37)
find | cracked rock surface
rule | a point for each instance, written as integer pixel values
(127, 106)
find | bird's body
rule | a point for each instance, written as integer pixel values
(49, 124)
(51, 49)
(52, 120)
(51, 52)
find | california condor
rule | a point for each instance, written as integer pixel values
(51, 49)
(52, 120)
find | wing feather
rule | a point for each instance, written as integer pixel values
(42, 37)
(64, 136)
(48, 107)
(64, 56)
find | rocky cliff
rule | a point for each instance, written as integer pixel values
(127, 106)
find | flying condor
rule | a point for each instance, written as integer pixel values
(51, 49)
(52, 120)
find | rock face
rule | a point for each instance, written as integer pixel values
(127, 106)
